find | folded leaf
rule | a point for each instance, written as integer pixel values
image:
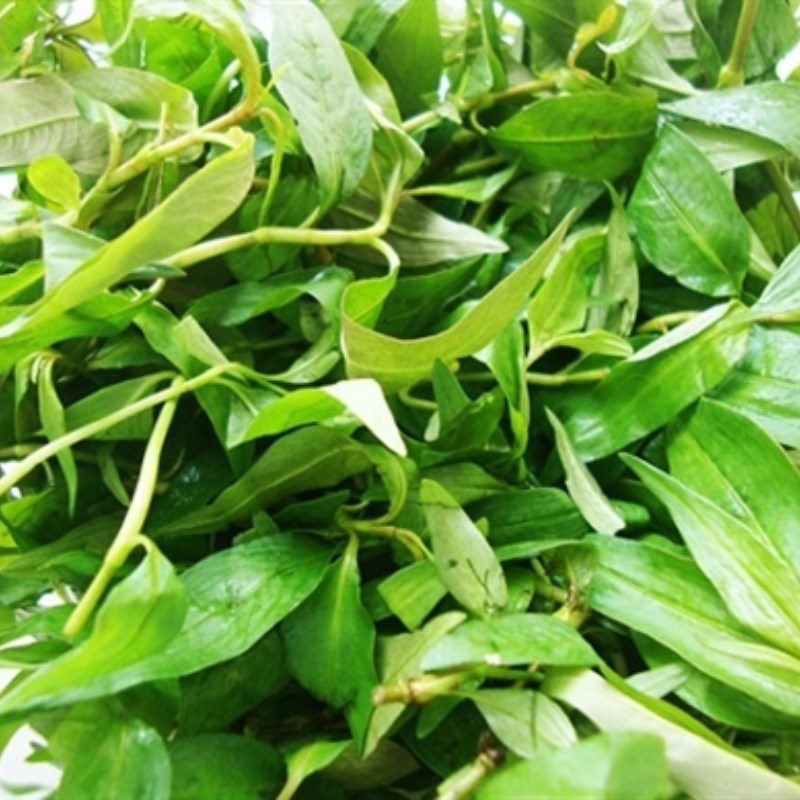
(756, 583)
(665, 596)
(398, 363)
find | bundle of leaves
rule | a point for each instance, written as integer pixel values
(399, 399)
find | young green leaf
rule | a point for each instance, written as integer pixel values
(466, 563)
(510, 640)
(581, 485)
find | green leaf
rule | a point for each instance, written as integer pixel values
(224, 20)
(412, 592)
(139, 618)
(330, 637)
(56, 181)
(419, 235)
(310, 458)
(595, 135)
(314, 77)
(409, 54)
(751, 109)
(226, 179)
(510, 640)
(665, 596)
(560, 306)
(308, 759)
(224, 765)
(764, 385)
(397, 363)
(526, 722)
(128, 760)
(607, 767)
(43, 120)
(617, 286)
(143, 97)
(582, 486)
(702, 768)
(466, 563)
(361, 398)
(726, 457)
(686, 220)
(744, 567)
(679, 367)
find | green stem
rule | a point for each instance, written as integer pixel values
(47, 451)
(462, 784)
(129, 535)
(145, 158)
(666, 321)
(784, 192)
(732, 74)
(566, 378)
(20, 233)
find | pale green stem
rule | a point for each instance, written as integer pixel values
(20, 233)
(145, 158)
(732, 74)
(566, 378)
(666, 321)
(129, 535)
(47, 451)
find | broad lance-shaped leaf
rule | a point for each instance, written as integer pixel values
(466, 562)
(41, 118)
(56, 181)
(726, 457)
(662, 593)
(419, 235)
(699, 763)
(595, 135)
(687, 221)
(400, 657)
(154, 237)
(758, 586)
(310, 458)
(765, 385)
(143, 97)
(234, 598)
(138, 619)
(648, 390)
(616, 766)
(510, 640)
(582, 486)
(713, 697)
(770, 110)
(361, 398)
(315, 79)
(398, 363)
(330, 638)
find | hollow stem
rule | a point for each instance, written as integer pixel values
(129, 535)
(666, 321)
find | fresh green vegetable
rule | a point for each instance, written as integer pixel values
(400, 399)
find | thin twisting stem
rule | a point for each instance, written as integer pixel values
(129, 535)
(732, 74)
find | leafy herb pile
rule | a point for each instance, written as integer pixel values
(399, 399)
